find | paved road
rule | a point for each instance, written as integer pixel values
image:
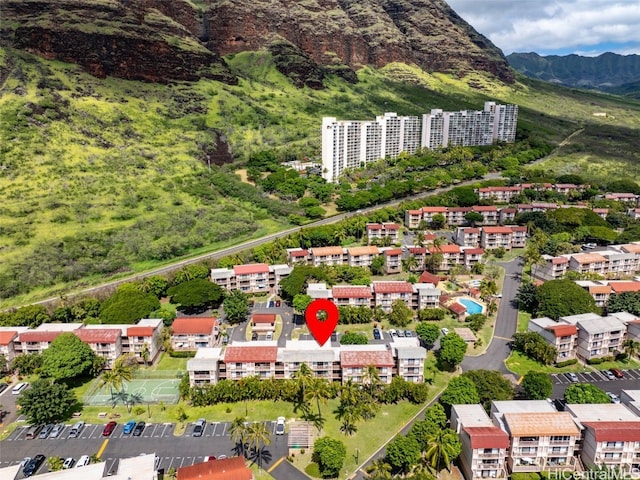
(254, 243)
(630, 381)
(8, 402)
(506, 324)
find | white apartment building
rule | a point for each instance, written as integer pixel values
(354, 143)
(563, 336)
(597, 336)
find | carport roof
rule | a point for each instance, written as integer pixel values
(233, 468)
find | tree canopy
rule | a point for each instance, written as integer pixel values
(46, 402)
(561, 298)
(490, 385)
(400, 315)
(128, 305)
(352, 338)
(428, 332)
(534, 346)
(329, 453)
(624, 302)
(236, 306)
(452, 349)
(460, 391)
(67, 357)
(536, 385)
(403, 452)
(196, 295)
(585, 393)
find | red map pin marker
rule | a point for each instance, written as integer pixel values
(322, 329)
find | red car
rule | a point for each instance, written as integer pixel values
(616, 372)
(109, 428)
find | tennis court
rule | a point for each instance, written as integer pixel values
(138, 390)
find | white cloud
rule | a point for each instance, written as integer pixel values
(549, 25)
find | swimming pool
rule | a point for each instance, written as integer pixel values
(472, 307)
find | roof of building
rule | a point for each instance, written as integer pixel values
(58, 327)
(508, 210)
(193, 325)
(374, 226)
(601, 325)
(465, 333)
(251, 268)
(518, 228)
(470, 230)
(473, 251)
(348, 291)
(417, 250)
(472, 415)
(38, 336)
(540, 424)
(434, 209)
(414, 212)
(559, 260)
(447, 248)
(487, 437)
(428, 277)
(240, 354)
(369, 250)
(392, 287)
(393, 252)
(457, 308)
(600, 210)
(324, 251)
(263, 318)
(583, 258)
(233, 468)
(485, 208)
(601, 412)
(138, 331)
(411, 352)
(98, 335)
(492, 230)
(581, 317)
(7, 336)
(620, 287)
(379, 358)
(299, 253)
(562, 329)
(631, 247)
(599, 289)
(626, 431)
(390, 226)
(522, 406)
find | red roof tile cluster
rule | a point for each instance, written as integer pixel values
(322, 251)
(621, 431)
(251, 269)
(391, 226)
(428, 277)
(448, 248)
(193, 325)
(496, 230)
(7, 336)
(417, 250)
(559, 260)
(379, 358)
(392, 287)
(470, 230)
(233, 468)
(487, 437)
(563, 330)
(39, 336)
(415, 212)
(473, 251)
(351, 292)
(434, 209)
(374, 226)
(299, 253)
(620, 287)
(250, 354)
(518, 228)
(393, 252)
(485, 208)
(263, 318)
(140, 331)
(457, 308)
(98, 335)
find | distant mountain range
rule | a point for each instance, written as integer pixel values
(609, 72)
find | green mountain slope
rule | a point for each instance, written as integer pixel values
(100, 177)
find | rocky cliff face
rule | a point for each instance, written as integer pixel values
(159, 40)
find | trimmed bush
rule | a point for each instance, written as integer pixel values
(182, 354)
(595, 361)
(566, 363)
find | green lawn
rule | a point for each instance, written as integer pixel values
(523, 321)
(167, 362)
(521, 364)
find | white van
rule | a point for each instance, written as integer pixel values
(83, 461)
(19, 388)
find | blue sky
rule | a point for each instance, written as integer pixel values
(556, 27)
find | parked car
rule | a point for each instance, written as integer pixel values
(392, 332)
(33, 465)
(138, 429)
(46, 430)
(280, 425)
(225, 339)
(614, 398)
(376, 334)
(57, 430)
(24, 462)
(33, 431)
(76, 430)
(270, 304)
(572, 376)
(3, 386)
(269, 336)
(254, 336)
(608, 374)
(408, 333)
(400, 333)
(616, 372)
(128, 427)
(278, 303)
(109, 428)
(198, 430)
(83, 461)
(68, 463)
(209, 458)
(445, 331)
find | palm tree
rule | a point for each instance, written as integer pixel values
(318, 389)
(349, 393)
(379, 470)
(303, 378)
(420, 239)
(349, 415)
(110, 379)
(410, 263)
(259, 437)
(443, 448)
(371, 377)
(238, 432)
(631, 348)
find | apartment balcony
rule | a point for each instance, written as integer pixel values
(488, 456)
(528, 443)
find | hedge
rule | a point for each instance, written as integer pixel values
(566, 363)
(182, 354)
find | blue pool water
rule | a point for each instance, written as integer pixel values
(472, 307)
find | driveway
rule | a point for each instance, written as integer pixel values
(630, 381)
(506, 324)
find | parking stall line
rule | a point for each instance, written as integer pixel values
(633, 374)
(181, 461)
(20, 432)
(93, 431)
(112, 466)
(164, 430)
(224, 428)
(215, 425)
(601, 376)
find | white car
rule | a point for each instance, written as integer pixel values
(614, 398)
(280, 425)
(445, 331)
(68, 463)
(83, 461)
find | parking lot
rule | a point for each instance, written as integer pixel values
(630, 381)
(158, 438)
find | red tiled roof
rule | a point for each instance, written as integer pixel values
(299, 253)
(321, 251)
(448, 248)
(340, 291)
(139, 331)
(621, 431)
(393, 251)
(7, 336)
(485, 208)
(391, 226)
(470, 230)
(374, 226)
(263, 318)
(98, 335)
(251, 269)
(428, 277)
(392, 287)
(193, 325)
(233, 468)
(563, 330)
(379, 358)
(517, 228)
(356, 251)
(583, 258)
(434, 209)
(415, 212)
(631, 248)
(504, 230)
(487, 437)
(39, 336)
(620, 287)
(473, 251)
(460, 209)
(566, 185)
(600, 289)
(508, 210)
(559, 260)
(457, 308)
(250, 354)
(417, 250)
